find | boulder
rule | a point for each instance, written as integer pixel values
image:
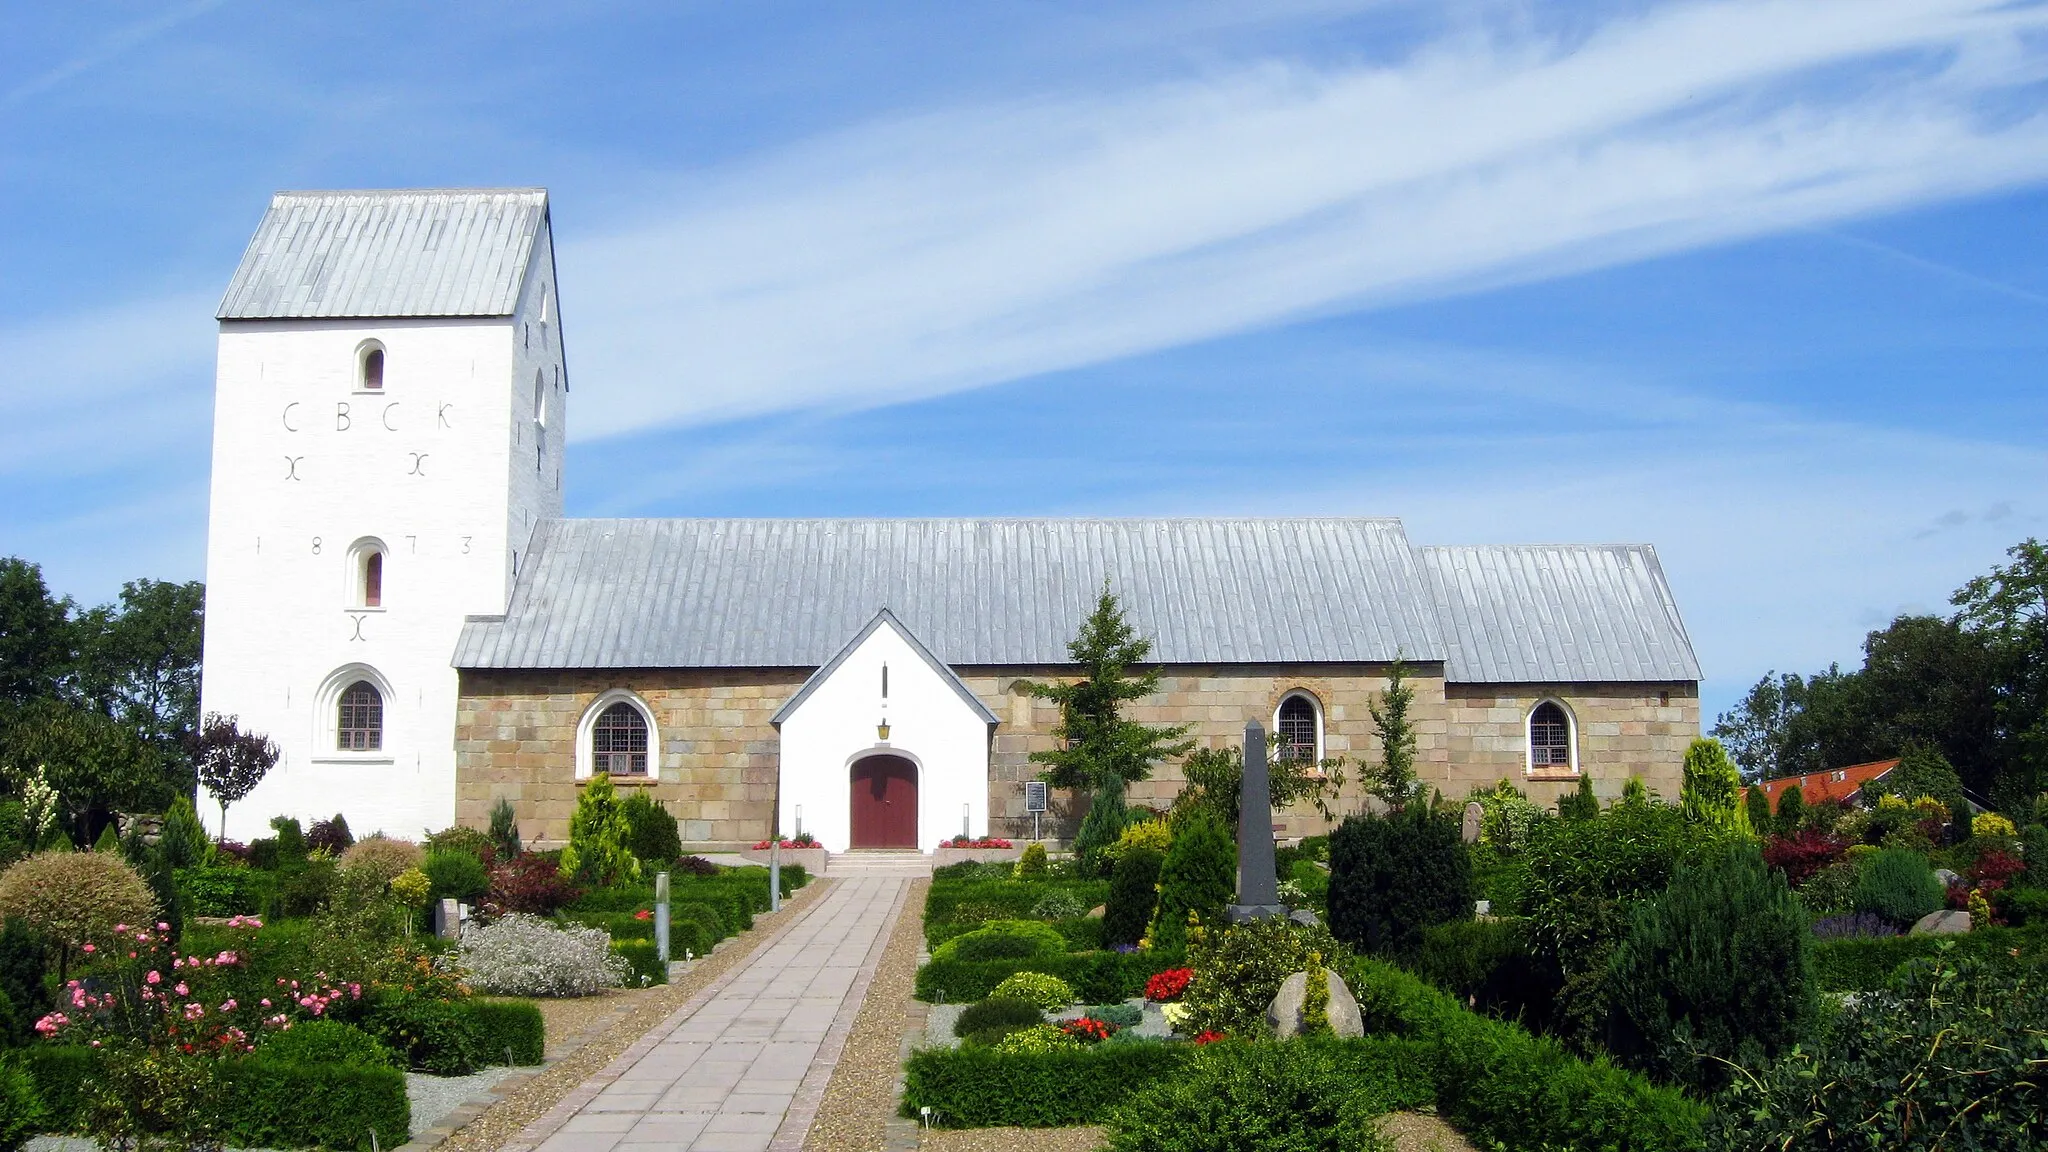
(1098, 912)
(1948, 878)
(1306, 917)
(1949, 923)
(1285, 1014)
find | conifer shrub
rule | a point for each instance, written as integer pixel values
(1393, 876)
(1101, 827)
(291, 840)
(1133, 894)
(1758, 804)
(1299, 1097)
(652, 834)
(598, 837)
(1711, 791)
(182, 841)
(1581, 804)
(505, 829)
(1198, 875)
(1718, 965)
(1031, 865)
(1791, 810)
(1899, 885)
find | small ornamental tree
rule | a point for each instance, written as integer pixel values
(181, 842)
(230, 762)
(75, 900)
(1756, 804)
(1581, 804)
(598, 837)
(1393, 778)
(1718, 965)
(1791, 810)
(1215, 776)
(1097, 750)
(1199, 875)
(654, 840)
(1133, 893)
(1711, 792)
(505, 829)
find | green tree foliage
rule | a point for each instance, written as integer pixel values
(1756, 806)
(37, 643)
(1899, 885)
(654, 840)
(1133, 894)
(140, 661)
(1718, 965)
(1097, 747)
(97, 765)
(1393, 876)
(1215, 776)
(1199, 875)
(598, 836)
(230, 762)
(1791, 810)
(1393, 778)
(1101, 826)
(1711, 793)
(1923, 771)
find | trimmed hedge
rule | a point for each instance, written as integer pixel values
(1866, 963)
(1001, 899)
(512, 1028)
(646, 961)
(976, 1088)
(1503, 1087)
(267, 1104)
(1097, 977)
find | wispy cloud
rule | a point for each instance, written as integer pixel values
(949, 251)
(110, 47)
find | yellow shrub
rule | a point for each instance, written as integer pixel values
(1992, 824)
(1891, 803)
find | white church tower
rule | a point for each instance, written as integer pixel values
(389, 413)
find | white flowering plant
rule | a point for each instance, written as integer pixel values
(524, 955)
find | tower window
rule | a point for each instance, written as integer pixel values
(1550, 737)
(618, 741)
(360, 725)
(373, 580)
(1299, 730)
(372, 369)
(366, 573)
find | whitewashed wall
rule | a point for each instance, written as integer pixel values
(928, 723)
(423, 467)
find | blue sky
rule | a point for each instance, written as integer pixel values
(1762, 282)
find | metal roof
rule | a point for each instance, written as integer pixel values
(787, 593)
(445, 252)
(1552, 613)
(946, 674)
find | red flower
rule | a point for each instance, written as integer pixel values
(1169, 985)
(643, 914)
(1089, 1030)
(1210, 1037)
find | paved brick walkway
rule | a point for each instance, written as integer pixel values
(743, 1065)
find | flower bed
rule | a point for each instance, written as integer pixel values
(985, 850)
(811, 857)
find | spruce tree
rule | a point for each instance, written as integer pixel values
(1582, 804)
(1393, 780)
(1758, 804)
(1098, 751)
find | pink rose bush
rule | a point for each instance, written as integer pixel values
(136, 989)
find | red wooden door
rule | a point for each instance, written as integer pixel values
(884, 803)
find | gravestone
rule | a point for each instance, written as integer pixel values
(448, 919)
(1258, 887)
(1473, 815)
(1346, 1021)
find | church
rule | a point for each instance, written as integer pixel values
(395, 597)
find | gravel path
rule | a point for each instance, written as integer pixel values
(642, 1011)
(861, 1097)
(433, 1097)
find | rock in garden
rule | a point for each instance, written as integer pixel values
(1306, 917)
(1948, 878)
(1948, 923)
(1285, 1014)
(1097, 912)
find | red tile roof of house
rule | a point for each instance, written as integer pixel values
(1840, 784)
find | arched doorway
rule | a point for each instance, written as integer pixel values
(884, 803)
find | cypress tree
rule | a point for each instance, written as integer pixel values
(1199, 875)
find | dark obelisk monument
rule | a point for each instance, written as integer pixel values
(1258, 888)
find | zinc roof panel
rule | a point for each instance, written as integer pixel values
(398, 253)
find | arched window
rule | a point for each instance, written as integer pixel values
(366, 573)
(371, 378)
(359, 725)
(1550, 737)
(1299, 726)
(618, 741)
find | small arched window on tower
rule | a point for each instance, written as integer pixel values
(359, 725)
(1550, 738)
(366, 574)
(370, 368)
(618, 741)
(1299, 729)
(540, 417)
